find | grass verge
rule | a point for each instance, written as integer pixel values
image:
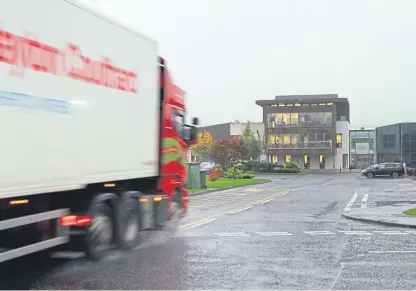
(196, 190)
(226, 183)
(411, 211)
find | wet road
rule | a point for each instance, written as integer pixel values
(288, 234)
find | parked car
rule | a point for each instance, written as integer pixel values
(206, 167)
(394, 170)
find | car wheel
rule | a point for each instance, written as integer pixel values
(370, 175)
(395, 175)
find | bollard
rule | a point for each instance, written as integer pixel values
(340, 169)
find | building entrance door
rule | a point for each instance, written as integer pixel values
(321, 161)
(345, 161)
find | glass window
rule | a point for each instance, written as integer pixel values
(339, 140)
(275, 159)
(294, 118)
(327, 136)
(271, 120)
(388, 141)
(371, 134)
(275, 139)
(362, 134)
(303, 118)
(286, 118)
(279, 118)
(179, 124)
(286, 139)
(328, 119)
(288, 158)
(352, 134)
(294, 138)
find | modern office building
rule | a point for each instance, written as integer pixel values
(310, 130)
(396, 143)
(362, 148)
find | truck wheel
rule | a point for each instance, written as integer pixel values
(130, 223)
(100, 234)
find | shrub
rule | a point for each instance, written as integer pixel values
(234, 173)
(286, 170)
(248, 176)
(214, 175)
(241, 167)
(291, 165)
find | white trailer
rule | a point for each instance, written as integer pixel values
(79, 113)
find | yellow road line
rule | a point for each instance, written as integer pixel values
(201, 221)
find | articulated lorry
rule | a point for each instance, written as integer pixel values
(93, 133)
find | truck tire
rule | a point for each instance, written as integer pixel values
(129, 234)
(99, 236)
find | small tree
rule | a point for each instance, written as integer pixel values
(255, 147)
(229, 152)
(201, 149)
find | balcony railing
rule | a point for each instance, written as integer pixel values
(302, 145)
(306, 125)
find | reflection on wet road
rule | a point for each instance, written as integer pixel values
(288, 234)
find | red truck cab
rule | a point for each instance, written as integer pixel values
(176, 137)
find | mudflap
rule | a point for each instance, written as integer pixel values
(160, 209)
(153, 211)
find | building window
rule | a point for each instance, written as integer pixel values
(339, 140)
(275, 159)
(312, 119)
(388, 141)
(288, 158)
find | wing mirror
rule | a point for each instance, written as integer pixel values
(194, 134)
(195, 121)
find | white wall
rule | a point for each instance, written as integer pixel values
(342, 127)
(238, 128)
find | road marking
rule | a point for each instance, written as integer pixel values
(365, 198)
(206, 220)
(390, 232)
(253, 190)
(196, 223)
(319, 232)
(232, 234)
(351, 202)
(267, 201)
(276, 233)
(393, 252)
(240, 210)
(296, 189)
(355, 232)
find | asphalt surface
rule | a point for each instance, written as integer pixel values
(288, 234)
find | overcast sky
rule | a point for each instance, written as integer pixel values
(228, 53)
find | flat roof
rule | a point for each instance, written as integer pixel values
(301, 101)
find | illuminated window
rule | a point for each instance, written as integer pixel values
(288, 158)
(286, 118)
(339, 140)
(275, 159)
(286, 139)
(294, 118)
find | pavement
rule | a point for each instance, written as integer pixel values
(286, 234)
(386, 206)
